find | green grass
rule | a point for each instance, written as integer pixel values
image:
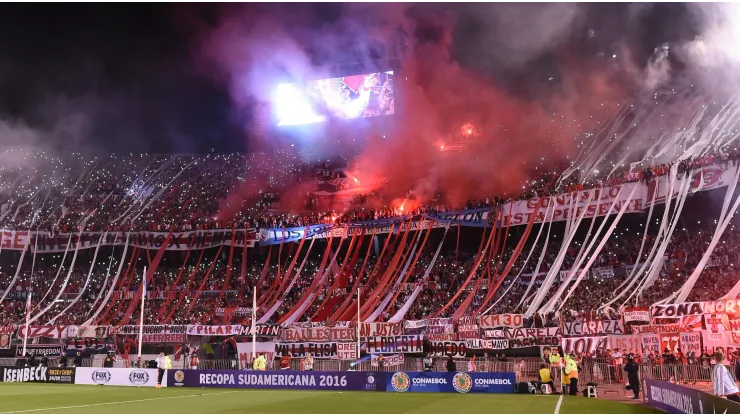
(47, 398)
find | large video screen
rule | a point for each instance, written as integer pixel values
(343, 98)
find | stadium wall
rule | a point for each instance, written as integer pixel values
(678, 399)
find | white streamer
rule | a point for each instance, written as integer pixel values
(104, 303)
(526, 260)
(549, 279)
(596, 252)
(398, 317)
(66, 280)
(266, 317)
(87, 281)
(539, 264)
(397, 285)
(655, 267)
(299, 312)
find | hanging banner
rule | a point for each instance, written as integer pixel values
(244, 349)
(346, 351)
(264, 330)
(6, 336)
(42, 350)
(440, 329)
(439, 321)
(584, 345)
(494, 333)
(406, 344)
(468, 331)
(651, 342)
(596, 202)
(415, 324)
(162, 338)
(388, 361)
(733, 325)
(691, 323)
(447, 348)
(636, 315)
(521, 333)
(381, 329)
(715, 341)
(307, 324)
(565, 273)
(441, 337)
(92, 331)
(735, 339)
(319, 350)
(238, 312)
(629, 343)
(88, 346)
(487, 344)
(715, 322)
(708, 177)
(506, 320)
(43, 331)
(269, 236)
(438, 326)
(217, 330)
(319, 334)
(467, 328)
(590, 328)
(655, 329)
(44, 242)
(670, 341)
(677, 311)
(152, 329)
(726, 306)
(467, 218)
(691, 342)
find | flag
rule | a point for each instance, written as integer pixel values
(143, 282)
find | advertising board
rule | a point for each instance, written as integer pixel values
(37, 375)
(431, 382)
(140, 377)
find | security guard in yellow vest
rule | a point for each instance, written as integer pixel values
(571, 370)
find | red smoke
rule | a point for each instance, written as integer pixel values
(514, 140)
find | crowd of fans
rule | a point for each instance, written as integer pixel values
(188, 192)
(151, 192)
(183, 294)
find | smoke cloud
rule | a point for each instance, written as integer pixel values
(491, 95)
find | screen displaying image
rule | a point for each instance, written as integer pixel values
(342, 98)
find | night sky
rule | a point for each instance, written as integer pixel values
(128, 77)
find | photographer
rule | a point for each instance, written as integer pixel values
(109, 360)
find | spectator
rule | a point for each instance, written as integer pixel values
(451, 367)
(308, 362)
(722, 382)
(285, 361)
(260, 363)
